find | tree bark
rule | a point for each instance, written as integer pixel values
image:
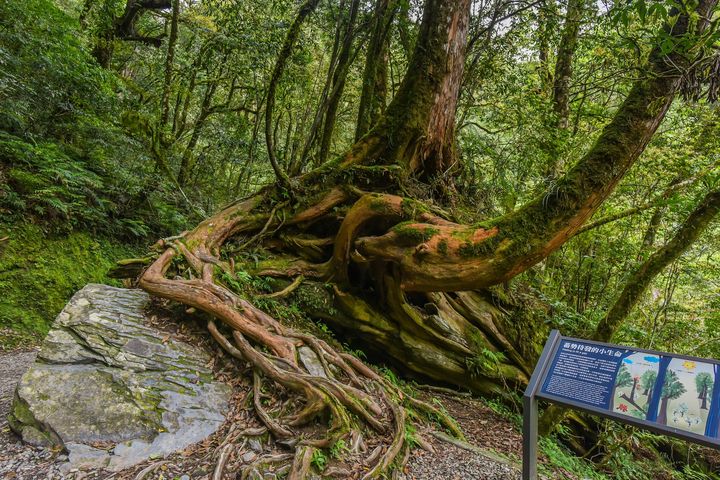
(169, 60)
(345, 59)
(417, 131)
(564, 60)
(374, 80)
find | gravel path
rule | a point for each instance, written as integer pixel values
(449, 462)
(12, 366)
(18, 461)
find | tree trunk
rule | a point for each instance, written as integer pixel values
(662, 414)
(417, 131)
(345, 59)
(563, 64)
(169, 60)
(290, 38)
(185, 162)
(374, 81)
(546, 14)
(694, 225)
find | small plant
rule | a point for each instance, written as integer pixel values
(338, 449)
(411, 435)
(357, 353)
(319, 460)
(390, 376)
(486, 362)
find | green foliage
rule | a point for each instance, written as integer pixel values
(411, 435)
(319, 459)
(485, 362)
(390, 376)
(623, 379)
(501, 407)
(673, 387)
(339, 449)
(64, 162)
(560, 457)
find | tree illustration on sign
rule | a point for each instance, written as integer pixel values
(636, 379)
(647, 382)
(672, 389)
(623, 379)
(704, 386)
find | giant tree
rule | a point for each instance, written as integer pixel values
(393, 269)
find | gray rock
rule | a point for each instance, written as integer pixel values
(311, 362)
(255, 445)
(102, 375)
(248, 456)
(84, 456)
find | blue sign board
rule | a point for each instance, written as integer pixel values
(667, 393)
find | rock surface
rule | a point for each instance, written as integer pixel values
(113, 391)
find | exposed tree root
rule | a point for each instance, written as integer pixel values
(336, 397)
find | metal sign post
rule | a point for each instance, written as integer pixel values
(666, 393)
(530, 409)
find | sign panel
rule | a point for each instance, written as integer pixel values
(667, 393)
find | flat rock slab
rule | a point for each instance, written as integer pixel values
(103, 377)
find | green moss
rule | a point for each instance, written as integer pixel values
(410, 208)
(39, 274)
(443, 246)
(475, 249)
(377, 204)
(411, 234)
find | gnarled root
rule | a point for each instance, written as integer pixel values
(306, 393)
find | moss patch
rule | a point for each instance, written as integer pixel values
(39, 274)
(412, 233)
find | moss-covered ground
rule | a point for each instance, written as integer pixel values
(40, 272)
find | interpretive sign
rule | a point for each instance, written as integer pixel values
(663, 392)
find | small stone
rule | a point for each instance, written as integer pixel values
(185, 477)
(248, 457)
(255, 445)
(311, 362)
